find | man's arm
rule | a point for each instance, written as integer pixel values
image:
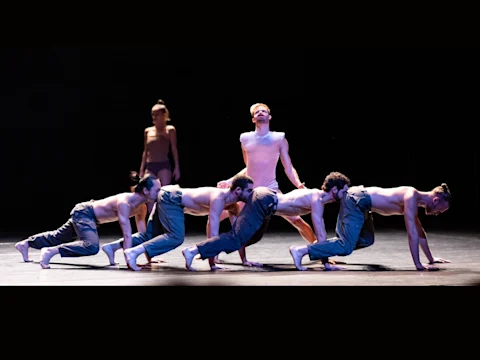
(288, 167)
(217, 206)
(411, 218)
(124, 219)
(140, 218)
(226, 183)
(176, 162)
(317, 218)
(422, 236)
(144, 154)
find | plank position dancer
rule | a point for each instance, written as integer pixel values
(355, 229)
(79, 235)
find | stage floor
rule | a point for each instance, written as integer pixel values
(387, 263)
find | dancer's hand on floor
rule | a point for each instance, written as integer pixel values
(252, 264)
(439, 261)
(423, 267)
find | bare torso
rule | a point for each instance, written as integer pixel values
(157, 144)
(388, 201)
(197, 201)
(106, 210)
(298, 201)
(263, 153)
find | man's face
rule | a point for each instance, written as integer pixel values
(437, 207)
(245, 193)
(261, 115)
(152, 194)
(338, 194)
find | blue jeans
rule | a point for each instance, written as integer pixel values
(82, 225)
(250, 224)
(166, 224)
(354, 228)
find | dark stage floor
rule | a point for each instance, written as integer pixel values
(387, 262)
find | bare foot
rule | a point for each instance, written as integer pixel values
(23, 246)
(107, 249)
(188, 255)
(297, 259)
(131, 260)
(45, 256)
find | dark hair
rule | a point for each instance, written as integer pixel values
(444, 192)
(145, 182)
(337, 179)
(241, 181)
(161, 102)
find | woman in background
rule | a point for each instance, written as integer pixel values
(159, 140)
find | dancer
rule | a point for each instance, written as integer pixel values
(169, 213)
(85, 218)
(261, 206)
(355, 229)
(261, 150)
(160, 140)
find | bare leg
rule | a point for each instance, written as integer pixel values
(23, 246)
(189, 254)
(45, 255)
(298, 252)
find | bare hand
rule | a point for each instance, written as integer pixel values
(423, 267)
(439, 261)
(329, 267)
(223, 184)
(176, 174)
(301, 186)
(252, 264)
(217, 268)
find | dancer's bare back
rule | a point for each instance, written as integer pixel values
(199, 201)
(106, 210)
(298, 202)
(390, 201)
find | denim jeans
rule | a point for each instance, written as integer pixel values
(250, 224)
(82, 225)
(354, 228)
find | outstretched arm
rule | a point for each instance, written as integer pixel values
(411, 218)
(124, 219)
(422, 236)
(140, 219)
(317, 218)
(288, 167)
(226, 183)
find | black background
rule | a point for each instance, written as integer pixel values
(73, 120)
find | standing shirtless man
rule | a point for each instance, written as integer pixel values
(169, 213)
(86, 216)
(355, 229)
(261, 150)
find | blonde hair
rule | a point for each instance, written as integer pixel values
(254, 106)
(161, 105)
